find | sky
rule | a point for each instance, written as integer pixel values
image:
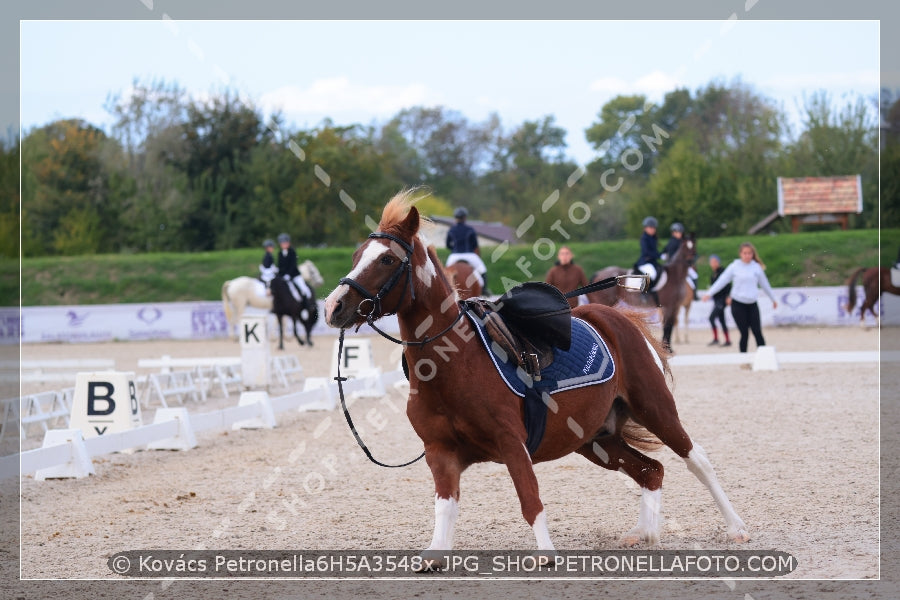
(367, 71)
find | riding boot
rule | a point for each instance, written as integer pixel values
(484, 287)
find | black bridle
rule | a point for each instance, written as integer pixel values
(375, 312)
(375, 299)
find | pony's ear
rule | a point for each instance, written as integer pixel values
(410, 224)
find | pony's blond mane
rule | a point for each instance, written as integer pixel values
(397, 208)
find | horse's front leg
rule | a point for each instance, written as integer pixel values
(280, 332)
(521, 470)
(297, 335)
(445, 470)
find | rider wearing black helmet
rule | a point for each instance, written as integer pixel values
(288, 269)
(677, 232)
(672, 247)
(647, 263)
(463, 244)
(267, 269)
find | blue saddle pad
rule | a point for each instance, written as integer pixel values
(586, 362)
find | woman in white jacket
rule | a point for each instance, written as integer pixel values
(746, 277)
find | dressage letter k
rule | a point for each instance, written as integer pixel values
(248, 331)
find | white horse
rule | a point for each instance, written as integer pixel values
(241, 292)
(310, 274)
(238, 294)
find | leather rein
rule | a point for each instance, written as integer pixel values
(374, 313)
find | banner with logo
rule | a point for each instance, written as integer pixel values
(819, 306)
(810, 306)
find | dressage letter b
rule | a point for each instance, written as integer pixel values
(93, 396)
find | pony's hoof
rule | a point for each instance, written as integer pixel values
(636, 536)
(739, 535)
(544, 558)
(430, 565)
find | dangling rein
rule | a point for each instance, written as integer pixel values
(593, 287)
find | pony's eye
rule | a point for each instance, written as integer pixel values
(387, 260)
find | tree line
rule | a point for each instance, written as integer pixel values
(180, 174)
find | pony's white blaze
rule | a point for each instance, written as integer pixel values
(445, 512)
(369, 256)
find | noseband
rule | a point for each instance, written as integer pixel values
(375, 299)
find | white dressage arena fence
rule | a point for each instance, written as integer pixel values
(63, 369)
(64, 451)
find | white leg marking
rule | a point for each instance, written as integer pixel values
(648, 525)
(541, 533)
(445, 512)
(698, 464)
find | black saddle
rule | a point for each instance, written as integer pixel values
(528, 322)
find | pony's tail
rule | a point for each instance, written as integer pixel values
(226, 304)
(851, 289)
(639, 437)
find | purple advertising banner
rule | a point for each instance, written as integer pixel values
(814, 306)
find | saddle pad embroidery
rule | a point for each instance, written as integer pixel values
(587, 362)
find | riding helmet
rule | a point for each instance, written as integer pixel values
(284, 238)
(461, 213)
(268, 244)
(678, 227)
(650, 222)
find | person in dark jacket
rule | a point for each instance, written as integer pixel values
(462, 241)
(720, 300)
(648, 263)
(566, 275)
(267, 268)
(672, 246)
(288, 269)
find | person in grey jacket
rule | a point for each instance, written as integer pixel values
(747, 277)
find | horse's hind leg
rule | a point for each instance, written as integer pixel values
(611, 452)
(651, 404)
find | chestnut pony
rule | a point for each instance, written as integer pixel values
(671, 296)
(875, 281)
(465, 414)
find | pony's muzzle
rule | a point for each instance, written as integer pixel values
(340, 313)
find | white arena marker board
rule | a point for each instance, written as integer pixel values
(255, 352)
(356, 359)
(765, 359)
(104, 402)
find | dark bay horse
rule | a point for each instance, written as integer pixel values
(875, 282)
(463, 276)
(284, 304)
(671, 294)
(464, 413)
